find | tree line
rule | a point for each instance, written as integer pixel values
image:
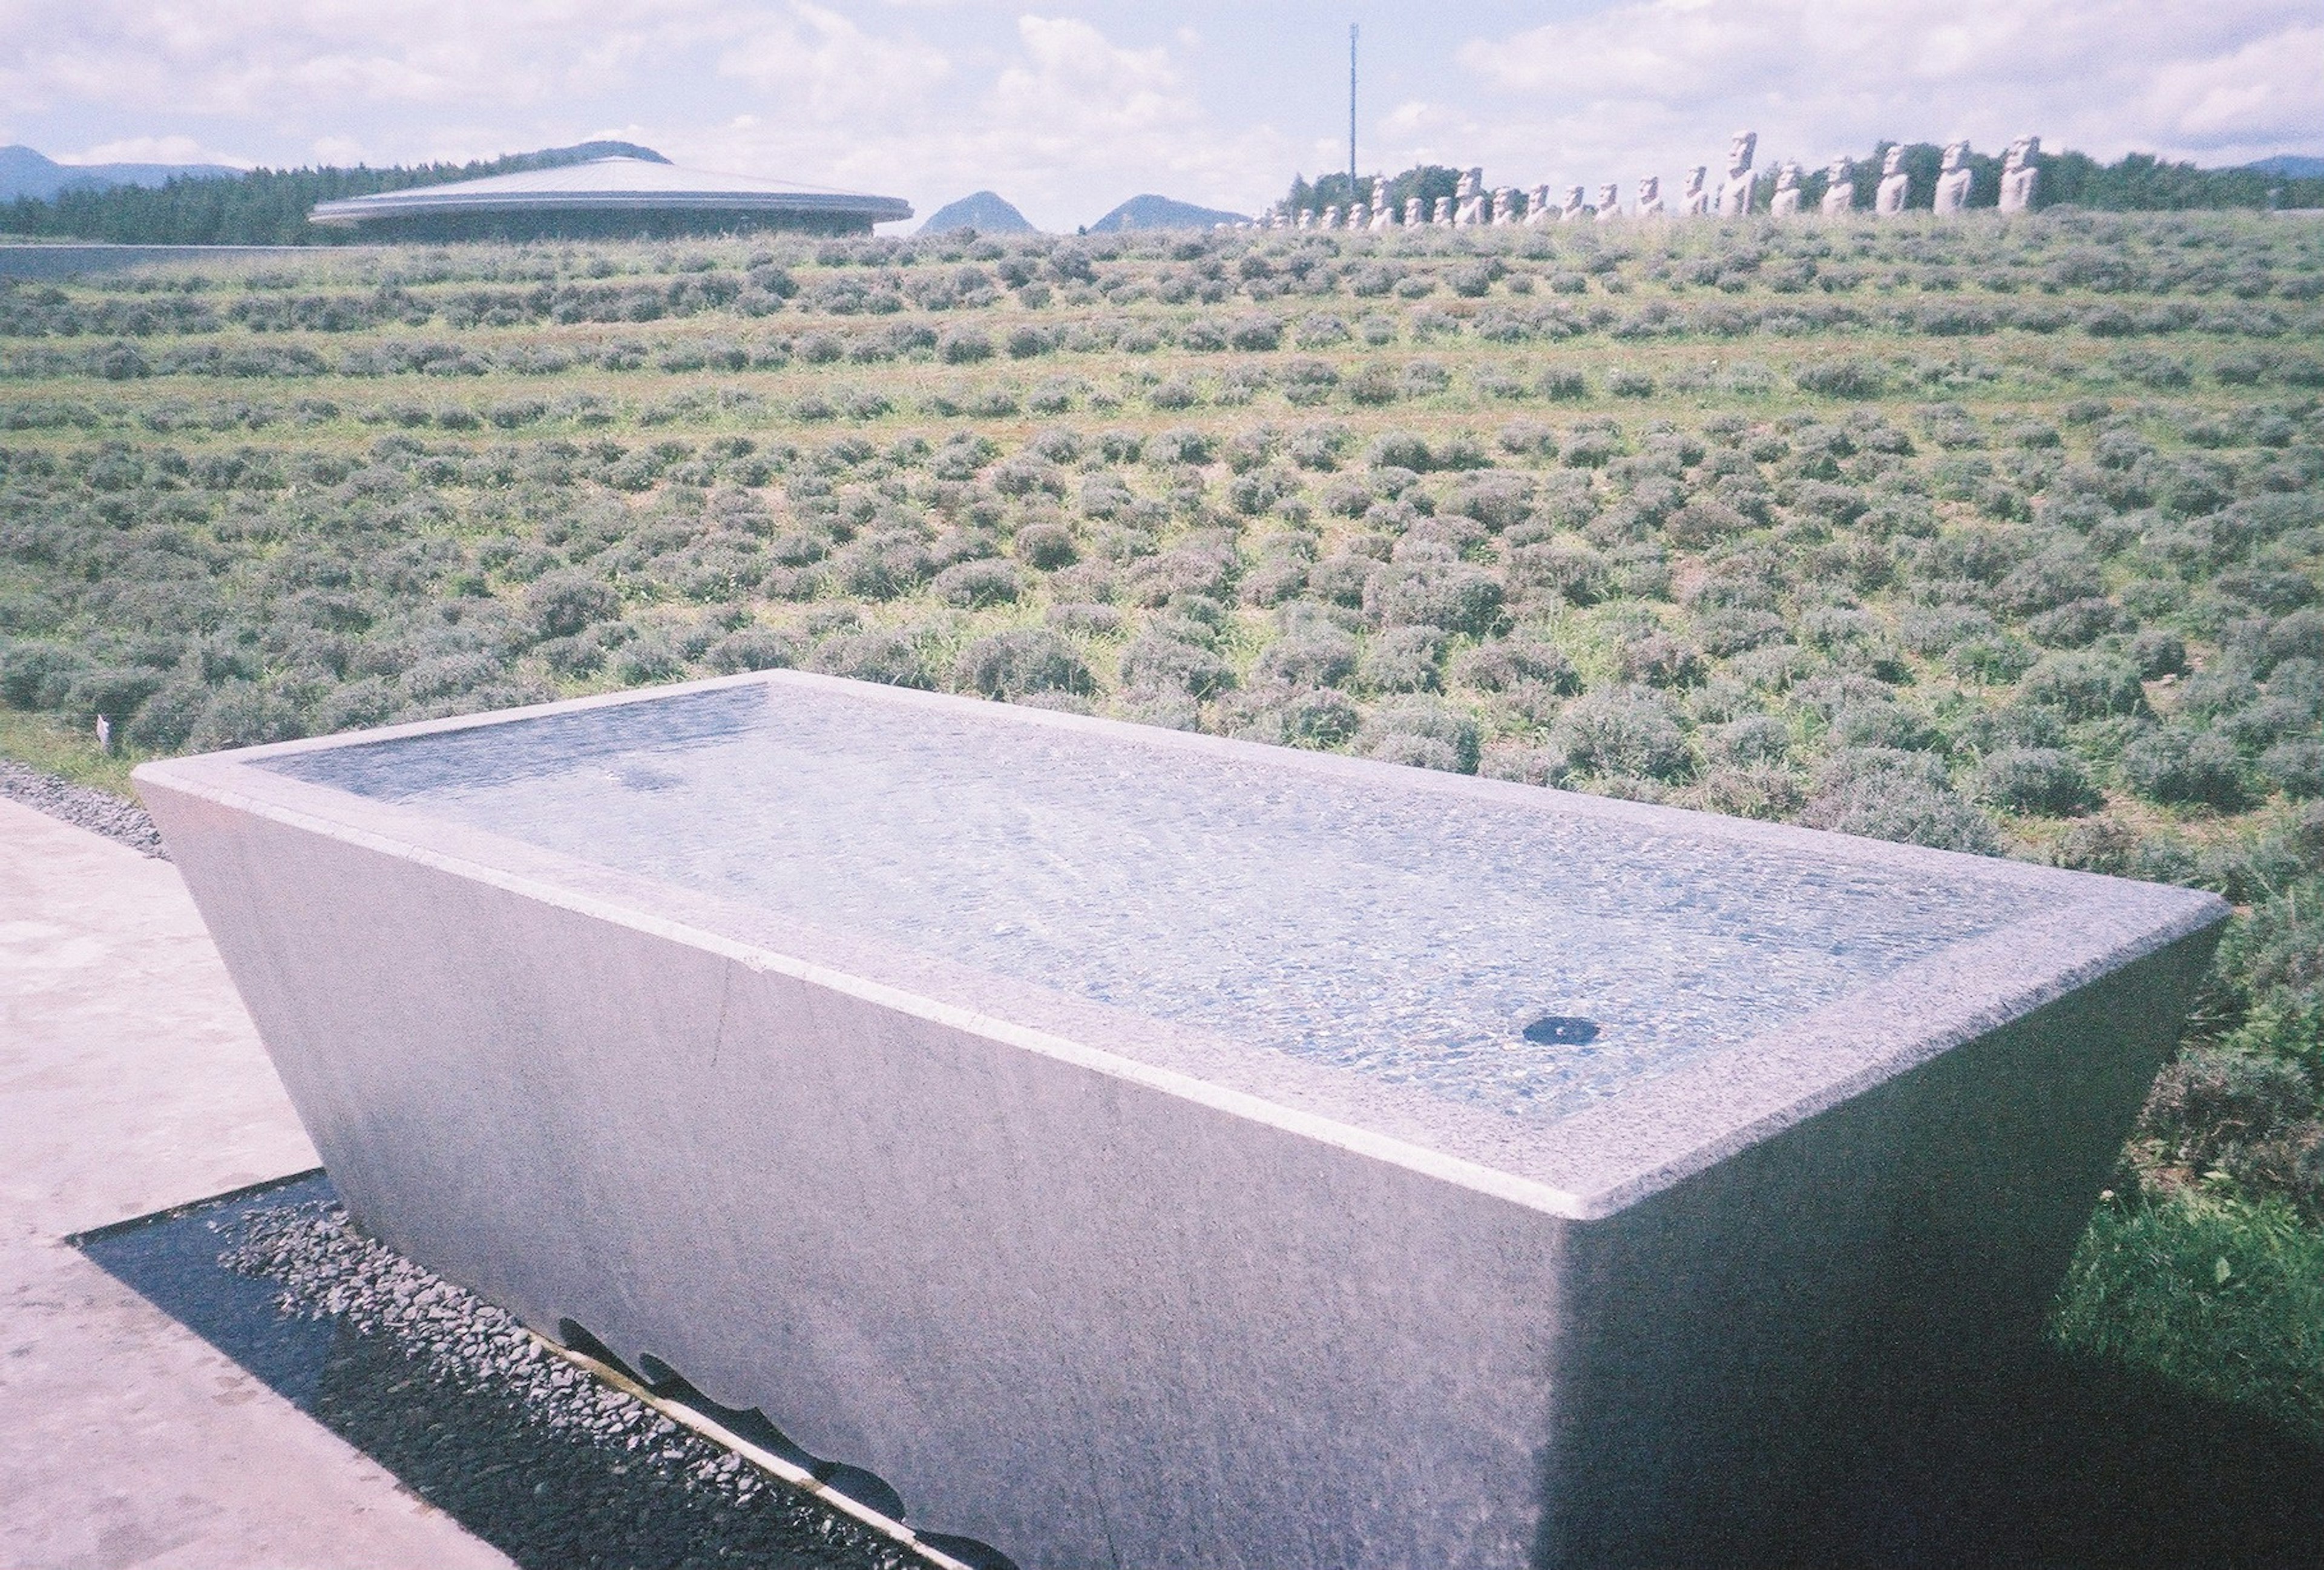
(266, 207)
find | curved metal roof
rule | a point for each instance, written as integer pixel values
(612, 185)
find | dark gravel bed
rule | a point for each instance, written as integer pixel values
(83, 807)
(554, 1468)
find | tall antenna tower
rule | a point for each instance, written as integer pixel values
(1352, 111)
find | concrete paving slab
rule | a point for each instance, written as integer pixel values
(131, 1080)
(131, 1077)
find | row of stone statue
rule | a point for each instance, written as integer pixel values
(1474, 206)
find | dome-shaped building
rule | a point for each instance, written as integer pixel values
(607, 197)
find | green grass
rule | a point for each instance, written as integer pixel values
(2221, 1294)
(45, 742)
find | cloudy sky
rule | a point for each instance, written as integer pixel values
(1068, 108)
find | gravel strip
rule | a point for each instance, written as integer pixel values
(551, 1467)
(82, 807)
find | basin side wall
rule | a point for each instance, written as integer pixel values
(1725, 1330)
(1053, 1307)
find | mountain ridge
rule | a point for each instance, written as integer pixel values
(1160, 212)
(26, 172)
(2293, 165)
(986, 212)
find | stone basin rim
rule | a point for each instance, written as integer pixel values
(1586, 1167)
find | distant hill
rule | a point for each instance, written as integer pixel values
(1156, 212)
(24, 172)
(2293, 165)
(264, 207)
(558, 157)
(985, 212)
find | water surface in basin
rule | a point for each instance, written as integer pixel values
(1404, 933)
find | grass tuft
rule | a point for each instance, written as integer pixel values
(2221, 1294)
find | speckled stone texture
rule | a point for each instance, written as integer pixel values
(1128, 1144)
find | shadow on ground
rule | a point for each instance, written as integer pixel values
(2039, 1459)
(548, 1498)
(2029, 1459)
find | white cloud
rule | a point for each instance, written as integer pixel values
(1064, 113)
(276, 58)
(153, 149)
(1078, 102)
(1071, 108)
(818, 63)
(1658, 83)
(929, 100)
(1075, 94)
(2268, 94)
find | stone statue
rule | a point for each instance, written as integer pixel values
(1505, 206)
(1695, 201)
(1610, 201)
(1735, 191)
(1785, 202)
(1574, 208)
(1840, 188)
(1953, 181)
(1539, 209)
(1360, 216)
(1306, 218)
(1893, 183)
(1470, 210)
(1444, 212)
(1415, 212)
(2019, 176)
(1650, 196)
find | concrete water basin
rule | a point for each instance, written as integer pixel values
(1138, 1148)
